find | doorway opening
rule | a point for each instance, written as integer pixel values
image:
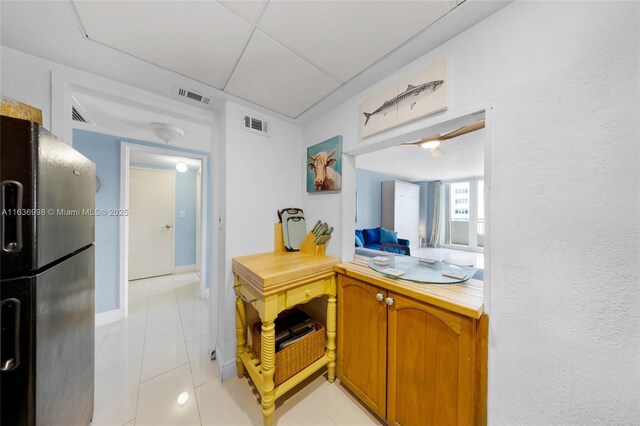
(162, 191)
(431, 189)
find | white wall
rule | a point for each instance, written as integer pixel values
(562, 172)
(262, 175)
(27, 78)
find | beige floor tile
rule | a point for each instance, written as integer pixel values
(203, 368)
(228, 403)
(158, 402)
(139, 290)
(160, 285)
(163, 322)
(195, 324)
(163, 353)
(181, 280)
(101, 332)
(116, 395)
(120, 349)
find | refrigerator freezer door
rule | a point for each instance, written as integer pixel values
(17, 381)
(65, 341)
(58, 196)
(53, 383)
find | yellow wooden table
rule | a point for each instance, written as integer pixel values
(273, 282)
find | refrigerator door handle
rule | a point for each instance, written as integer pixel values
(11, 216)
(10, 362)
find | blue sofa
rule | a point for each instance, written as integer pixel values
(370, 238)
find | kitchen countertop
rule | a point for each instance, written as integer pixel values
(464, 298)
(271, 272)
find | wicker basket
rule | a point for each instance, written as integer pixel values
(294, 357)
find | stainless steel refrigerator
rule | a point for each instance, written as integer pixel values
(47, 281)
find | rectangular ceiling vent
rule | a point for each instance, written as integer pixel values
(255, 125)
(192, 96)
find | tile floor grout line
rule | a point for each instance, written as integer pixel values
(164, 372)
(193, 386)
(144, 340)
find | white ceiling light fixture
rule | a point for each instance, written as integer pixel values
(430, 145)
(436, 152)
(182, 167)
(167, 132)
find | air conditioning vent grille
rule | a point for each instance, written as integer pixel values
(76, 116)
(255, 125)
(192, 95)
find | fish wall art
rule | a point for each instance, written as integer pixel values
(422, 94)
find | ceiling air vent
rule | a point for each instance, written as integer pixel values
(76, 116)
(255, 125)
(192, 95)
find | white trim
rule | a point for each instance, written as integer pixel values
(125, 160)
(108, 317)
(226, 369)
(184, 269)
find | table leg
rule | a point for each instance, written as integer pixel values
(241, 334)
(331, 337)
(268, 348)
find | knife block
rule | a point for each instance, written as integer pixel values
(307, 246)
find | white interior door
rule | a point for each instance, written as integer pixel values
(151, 223)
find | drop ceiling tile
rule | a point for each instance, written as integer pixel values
(248, 9)
(201, 40)
(272, 76)
(346, 37)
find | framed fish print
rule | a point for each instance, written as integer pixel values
(324, 166)
(421, 94)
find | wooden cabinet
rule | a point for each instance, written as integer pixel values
(362, 344)
(411, 362)
(430, 374)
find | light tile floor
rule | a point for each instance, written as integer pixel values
(161, 352)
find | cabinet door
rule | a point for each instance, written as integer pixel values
(362, 342)
(430, 365)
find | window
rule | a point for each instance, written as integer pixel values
(465, 214)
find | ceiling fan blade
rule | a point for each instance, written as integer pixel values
(423, 140)
(453, 134)
(463, 130)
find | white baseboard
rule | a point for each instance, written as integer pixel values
(184, 268)
(108, 317)
(227, 369)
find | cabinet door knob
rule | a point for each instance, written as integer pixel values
(380, 297)
(389, 301)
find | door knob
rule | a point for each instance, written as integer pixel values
(389, 301)
(380, 297)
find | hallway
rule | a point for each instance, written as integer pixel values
(154, 368)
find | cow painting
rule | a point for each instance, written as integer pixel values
(325, 166)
